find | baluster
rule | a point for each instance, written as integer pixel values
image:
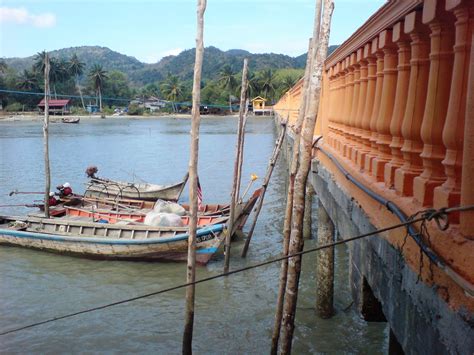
(342, 102)
(347, 105)
(377, 101)
(369, 105)
(417, 89)
(403, 69)
(355, 103)
(448, 194)
(333, 93)
(467, 192)
(361, 104)
(439, 83)
(389, 87)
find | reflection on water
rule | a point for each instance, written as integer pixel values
(235, 314)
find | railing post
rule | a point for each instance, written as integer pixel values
(355, 102)
(377, 101)
(439, 82)
(347, 105)
(412, 145)
(403, 80)
(358, 131)
(386, 106)
(369, 104)
(448, 194)
(467, 192)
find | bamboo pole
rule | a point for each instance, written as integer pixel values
(47, 172)
(271, 165)
(289, 199)
(308, 211)
(296, 240)
(237, 165)
(193, 163)
(325, 265)
(241, 149)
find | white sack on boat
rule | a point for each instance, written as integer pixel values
(169, 207)
(160, 219)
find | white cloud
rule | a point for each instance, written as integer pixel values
(19, 15)
(155, 57)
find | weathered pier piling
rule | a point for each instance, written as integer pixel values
(325, 265)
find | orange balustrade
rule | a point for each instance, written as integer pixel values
(398, 114)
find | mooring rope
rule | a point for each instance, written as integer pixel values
(425, 215)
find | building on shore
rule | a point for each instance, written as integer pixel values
(56, 107)
(259, 107)
(396, 117)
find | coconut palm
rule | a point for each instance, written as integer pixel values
(27, 81)
(287, 82)
(253, 85)
(76, 69)
(98, 76)
(267, 82)
(172, 89)
(228, 81)
(40, 60)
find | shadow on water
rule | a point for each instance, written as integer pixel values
(235, 314)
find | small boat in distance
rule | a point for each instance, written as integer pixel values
(100, 187)
(70, 120)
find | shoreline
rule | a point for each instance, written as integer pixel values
(57, 118)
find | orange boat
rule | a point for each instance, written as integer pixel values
(137, 216)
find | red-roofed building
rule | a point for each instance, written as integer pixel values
(56, 106)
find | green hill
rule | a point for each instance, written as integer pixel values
(181, 65)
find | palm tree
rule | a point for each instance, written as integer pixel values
(267, 82)
(76, 69)
(40, 60)
(98, 76)
(228, 81)
(27, 81)
(253, 87)
(58, 69)
(286, 83)
(172, 89)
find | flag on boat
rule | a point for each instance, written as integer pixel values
(199, 194)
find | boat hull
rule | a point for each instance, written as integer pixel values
(62, 239)
(147, 192)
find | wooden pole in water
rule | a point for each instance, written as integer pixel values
(237, 164)
(193, 163)
(325, 265)
(289, 199)
(271, 165)
(308, 210)
(296, 235)
(241, 148)
(47, 172)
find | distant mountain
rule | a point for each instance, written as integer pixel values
(182, 64)
(90, 55)
(301, 60)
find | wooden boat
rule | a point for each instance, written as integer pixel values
(134, 215)
(99, 187)
(132, 210)
(70, 120)
(109, 241)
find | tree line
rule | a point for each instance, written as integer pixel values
(71, 77)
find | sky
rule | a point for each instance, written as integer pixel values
(152, 29)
